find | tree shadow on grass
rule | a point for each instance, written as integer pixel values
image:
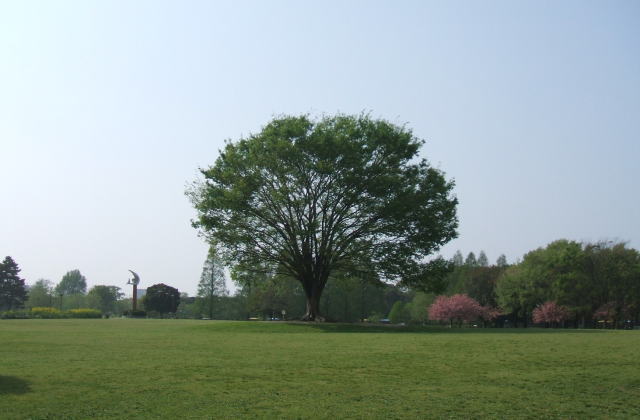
(13, 385)
(331, 327)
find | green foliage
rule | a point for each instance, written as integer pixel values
(13, 292)
(353, 298)
(399, 313)
(483, 261)
(418, 307)
(212, 284)
(85, 313)
(104, 298)
(457, 259)
(471, 260)
(51, 313)
(502, 261)
(72, 283)
(375, 317)
(41, 294)
(138, 313)
(581, 277)
(268, 295)
(293, 371)
(309, 198)
(73, 301)
(345, 299)
(46, 313)
(15, 314)
(162, 299)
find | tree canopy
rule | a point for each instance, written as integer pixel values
(40, 294)
(211, 283)
(104, 298)
(306, 198)
(12, 288)
(162, 299)
(581, 277)
(72, 283)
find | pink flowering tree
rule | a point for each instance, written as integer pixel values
(489, 313)
(606, 313)
(458, 308)
(550, 313)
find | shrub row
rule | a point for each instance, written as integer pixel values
(50, 313)
(135, 314)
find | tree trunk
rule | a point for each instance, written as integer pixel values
(313, 308)
(211, 305)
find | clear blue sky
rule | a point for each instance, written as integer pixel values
(107, 109)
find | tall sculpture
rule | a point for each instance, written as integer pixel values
(134, 282)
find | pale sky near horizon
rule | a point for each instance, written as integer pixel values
(108, 108)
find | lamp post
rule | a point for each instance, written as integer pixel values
(61, 294)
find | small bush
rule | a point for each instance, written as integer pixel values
(50, 313)
(135, 314)
(15, 314)
(375, 317)
(84, 313)
(46, 313)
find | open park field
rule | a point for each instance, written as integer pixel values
(129, 368)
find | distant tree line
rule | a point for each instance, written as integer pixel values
(70, 298)
(594, 283)
(566, 283)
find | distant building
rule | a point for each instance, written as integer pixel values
(141, 293)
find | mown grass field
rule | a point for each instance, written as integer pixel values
(125, 368)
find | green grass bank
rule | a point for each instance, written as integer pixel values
(137, 368)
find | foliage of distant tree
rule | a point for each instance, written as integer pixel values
(346, 298)
(104, 298)
(399, 313)
(489, 313)
(162, 299)
(459, 308)
(483, 261)
(418, 307)
(72, 283)
(212, 284)
(458, 259)
(605, 312)
(502, 261)
(549, 313)
(307, 199)
(471, 260)
(13, 292)
(41, 294)
(580, 277)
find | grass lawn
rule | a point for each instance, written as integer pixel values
(126, 368)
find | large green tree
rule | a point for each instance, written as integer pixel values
(162, 299)
(41, 294)
(306, 198)
(612, 271)
(104, 298)
(13, 292)
(72, 283)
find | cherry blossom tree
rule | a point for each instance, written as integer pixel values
(605, 313)
(550, 313)
(455, 308)
(489, 313)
